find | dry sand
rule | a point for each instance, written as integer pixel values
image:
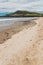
(25, 47)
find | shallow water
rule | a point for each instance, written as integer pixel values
(7, 22)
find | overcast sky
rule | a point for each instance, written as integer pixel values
(13, 5)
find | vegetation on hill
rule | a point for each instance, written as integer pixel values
(21, 13)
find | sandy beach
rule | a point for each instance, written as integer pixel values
(25, 47)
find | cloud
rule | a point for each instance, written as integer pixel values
(13, 5)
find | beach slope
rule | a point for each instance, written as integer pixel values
(25, 47)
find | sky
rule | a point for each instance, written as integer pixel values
(13, 5)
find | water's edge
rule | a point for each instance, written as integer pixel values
(8, 22)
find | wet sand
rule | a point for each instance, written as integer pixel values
(15, 28)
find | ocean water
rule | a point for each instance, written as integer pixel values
(7, 22)
(4, 13)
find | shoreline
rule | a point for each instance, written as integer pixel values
(25, 47)
(7, 23)
(7, 33)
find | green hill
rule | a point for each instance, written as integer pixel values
(21, 13)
